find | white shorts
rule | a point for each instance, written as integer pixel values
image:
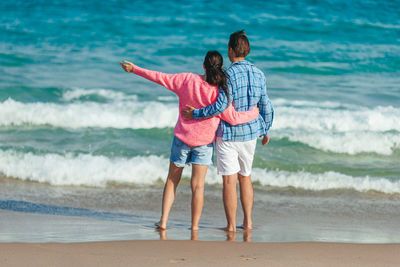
(235, 157)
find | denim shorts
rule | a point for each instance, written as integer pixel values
(182, 154)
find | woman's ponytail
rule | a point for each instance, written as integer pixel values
(213, 63)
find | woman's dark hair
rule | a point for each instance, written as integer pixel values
(239, 43)
(213, 63)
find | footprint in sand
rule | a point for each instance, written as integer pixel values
(176, 260)
(247, 258)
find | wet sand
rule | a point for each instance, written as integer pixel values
(198, 253)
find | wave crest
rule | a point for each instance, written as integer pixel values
(90, 170)
(78, 93)
(328, 126)
(129, 114)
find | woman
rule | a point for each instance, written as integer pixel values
(193, 140)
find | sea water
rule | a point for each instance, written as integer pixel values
(78, 132)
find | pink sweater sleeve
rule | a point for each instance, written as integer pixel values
(172, 82)
(233, 117)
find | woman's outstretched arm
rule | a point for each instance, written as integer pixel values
(172, 82)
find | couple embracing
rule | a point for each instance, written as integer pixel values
(229, 108)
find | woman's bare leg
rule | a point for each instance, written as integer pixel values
(174, 176)
(197, 183)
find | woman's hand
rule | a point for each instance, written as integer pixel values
(127, 66)
(188, 113)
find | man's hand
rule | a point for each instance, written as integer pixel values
(265, 140)
(127, 66)
(188, 113)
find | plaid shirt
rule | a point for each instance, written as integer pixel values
(247, 88)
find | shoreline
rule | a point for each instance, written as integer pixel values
(198, 253)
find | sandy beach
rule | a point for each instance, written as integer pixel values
(85, 147)
(198, 253)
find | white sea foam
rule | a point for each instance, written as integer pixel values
(77, 93)
(376, 24)
(325, 181)
(347, 142)
(378, 119)
(119, 114)
(90, 170)
(336, 127)
(82, 169)
(167, 98)
(304, 103)
(329, 126)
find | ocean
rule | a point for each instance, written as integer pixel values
(83, 142)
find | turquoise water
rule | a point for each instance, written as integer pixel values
(69, 115)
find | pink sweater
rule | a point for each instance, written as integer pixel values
(193, 90)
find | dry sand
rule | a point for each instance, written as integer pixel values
(198, 253)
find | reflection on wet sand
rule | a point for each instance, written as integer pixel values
(231, 236)
(163, 234)
(194, 235)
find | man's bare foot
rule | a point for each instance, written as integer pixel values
(247, 224)
(247, 227)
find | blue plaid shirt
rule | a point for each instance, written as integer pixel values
(247, 88)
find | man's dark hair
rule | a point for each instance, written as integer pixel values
(239, 43)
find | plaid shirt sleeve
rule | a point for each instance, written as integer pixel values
(214, 109)
(266, 110)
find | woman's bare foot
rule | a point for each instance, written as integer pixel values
(160, 226)
(229, 228)
(247, 224)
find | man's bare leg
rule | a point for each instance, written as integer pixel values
(247, 199)
(229, 195)
(197, 184)
(174, 176)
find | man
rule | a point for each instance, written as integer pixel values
(235, 145)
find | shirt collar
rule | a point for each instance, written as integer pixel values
(242, 62)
